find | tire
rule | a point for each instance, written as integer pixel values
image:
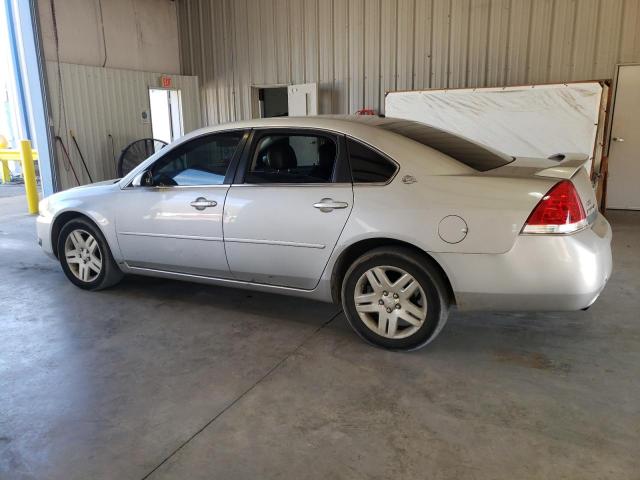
(80, 264)
(409, 323)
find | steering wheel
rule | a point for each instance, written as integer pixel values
(164, 180)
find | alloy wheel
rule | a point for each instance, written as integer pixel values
(390, 302)
(83, 256)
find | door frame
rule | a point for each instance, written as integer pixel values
(254, 96)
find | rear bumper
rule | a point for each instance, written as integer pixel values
(540, 272)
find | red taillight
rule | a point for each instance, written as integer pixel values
(559, 211)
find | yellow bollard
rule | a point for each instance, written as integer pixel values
(5, 174)
(29, 173)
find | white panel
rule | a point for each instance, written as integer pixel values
(527, 122)
(303, 99)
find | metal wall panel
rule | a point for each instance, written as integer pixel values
(96, 102)
(359, 49)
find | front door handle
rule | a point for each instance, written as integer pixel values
(201, 203)
(329, 204)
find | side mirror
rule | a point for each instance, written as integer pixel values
(143, 179)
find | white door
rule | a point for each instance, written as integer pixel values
(303, 99)
(623, 183)
(282, 223)
(166, 114)
(173, 220)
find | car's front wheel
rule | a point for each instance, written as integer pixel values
(395, 299)
(85, 256)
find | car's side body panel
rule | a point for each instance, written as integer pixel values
(492, 267)
(159, 228)
(274, 234)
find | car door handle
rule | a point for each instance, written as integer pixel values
(201, 203)
(329, 204)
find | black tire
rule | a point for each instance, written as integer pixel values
(427, 276)
(110, 273)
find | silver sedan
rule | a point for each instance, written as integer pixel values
(395, 220)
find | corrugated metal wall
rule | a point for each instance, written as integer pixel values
(358, 49)
(102, 101)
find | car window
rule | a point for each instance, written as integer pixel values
(477, 156)
(367, 165)
(293, 158)
(203, 161)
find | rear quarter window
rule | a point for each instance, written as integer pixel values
(368, 165)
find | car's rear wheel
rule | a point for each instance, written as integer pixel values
(395, 299)
(85, 256)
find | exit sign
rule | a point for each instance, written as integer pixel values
(165, 81)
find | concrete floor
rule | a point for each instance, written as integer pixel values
(161, 379)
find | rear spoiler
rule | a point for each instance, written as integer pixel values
(569, 164)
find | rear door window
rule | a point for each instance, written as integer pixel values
(293, 158)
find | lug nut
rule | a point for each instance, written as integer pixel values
(385, 293)
(395, 295)
(388, 310)
(398, 307)
(380, 302)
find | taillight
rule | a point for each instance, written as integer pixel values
(559, 211)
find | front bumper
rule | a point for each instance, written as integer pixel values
(43, 229)
(540, 272)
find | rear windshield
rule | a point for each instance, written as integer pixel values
(472, 154)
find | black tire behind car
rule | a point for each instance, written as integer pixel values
(429, 279)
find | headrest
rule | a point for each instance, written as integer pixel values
(281, 156)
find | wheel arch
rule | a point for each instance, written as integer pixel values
(355, 250)
(62, 219)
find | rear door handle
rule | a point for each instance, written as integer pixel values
(329, 204)
(201, 203)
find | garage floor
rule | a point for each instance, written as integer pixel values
(160, 379)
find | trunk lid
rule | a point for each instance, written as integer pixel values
(565, 166)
